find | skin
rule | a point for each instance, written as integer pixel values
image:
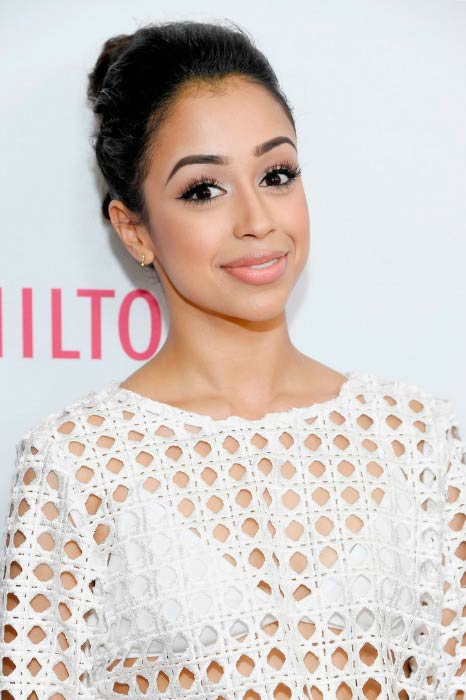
(245, 363)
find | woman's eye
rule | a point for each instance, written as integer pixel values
(199, 193)
(274, 175)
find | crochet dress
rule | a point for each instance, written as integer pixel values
(312, 554)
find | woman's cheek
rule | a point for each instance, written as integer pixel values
(190, 249)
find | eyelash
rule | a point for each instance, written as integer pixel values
(285, 167)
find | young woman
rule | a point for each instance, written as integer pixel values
(235, 520)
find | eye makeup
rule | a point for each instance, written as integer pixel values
(203, 182)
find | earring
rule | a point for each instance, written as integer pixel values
(142, 259)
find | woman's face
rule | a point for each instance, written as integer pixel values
(205, 215)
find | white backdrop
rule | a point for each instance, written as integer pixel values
(378, 89)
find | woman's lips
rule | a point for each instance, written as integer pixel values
(259, 275)
(256, 258)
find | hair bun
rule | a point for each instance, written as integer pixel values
(112, 49)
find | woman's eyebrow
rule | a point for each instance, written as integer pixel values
(225, 160)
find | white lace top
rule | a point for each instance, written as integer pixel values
(314, 553)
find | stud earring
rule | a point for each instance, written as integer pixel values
(142, 259)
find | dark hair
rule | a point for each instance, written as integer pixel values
(137, 79)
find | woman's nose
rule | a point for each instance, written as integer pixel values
(252, 214)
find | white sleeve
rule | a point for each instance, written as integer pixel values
(452, 651)
(48, 562)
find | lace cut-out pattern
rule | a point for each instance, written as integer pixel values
(313, 554)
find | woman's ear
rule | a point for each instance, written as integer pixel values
(134, 236)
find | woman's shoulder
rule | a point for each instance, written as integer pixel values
(401, 397)
(74, 425)
(380, 390)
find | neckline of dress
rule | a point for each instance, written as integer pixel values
(353, 380)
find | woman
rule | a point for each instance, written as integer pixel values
(235, 520)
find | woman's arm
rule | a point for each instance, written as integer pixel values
(452, 676)
(48, 565)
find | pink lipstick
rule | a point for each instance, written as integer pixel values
(260, 270)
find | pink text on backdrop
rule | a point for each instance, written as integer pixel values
(95, 296)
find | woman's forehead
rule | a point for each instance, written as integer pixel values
(229, 124)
